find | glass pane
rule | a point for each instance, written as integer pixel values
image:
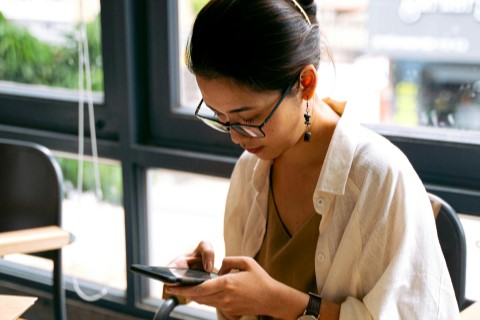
(39, 45)
(189, 93)
(98, 253)
(404, 63)
(471, 226)
(183, 209)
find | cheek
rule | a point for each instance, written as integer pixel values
(287, 127)
(289, 123)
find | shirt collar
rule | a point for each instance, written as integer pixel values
(261, 172)
(338, 161)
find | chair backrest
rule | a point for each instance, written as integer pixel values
(30, 186)
(31, 196)
(452, 240)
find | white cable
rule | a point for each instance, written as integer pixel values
(84, 65)
(81, 116)
(91, 115)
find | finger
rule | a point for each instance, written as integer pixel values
(208, 260)
(191, 292)
(221, 302)
(179, 262)
(230, 264)
(194, 262)
(208, 255)
(213, 300)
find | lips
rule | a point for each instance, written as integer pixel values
(254, 150)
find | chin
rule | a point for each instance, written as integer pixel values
(267, 156)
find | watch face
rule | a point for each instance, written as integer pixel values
(307, 317)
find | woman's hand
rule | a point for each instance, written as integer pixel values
(202, 258)
(244, 288)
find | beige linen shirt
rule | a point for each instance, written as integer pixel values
(377, 253)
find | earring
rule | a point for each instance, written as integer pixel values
(307, 135)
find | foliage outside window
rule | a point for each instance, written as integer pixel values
(110, 179)
(27, 59)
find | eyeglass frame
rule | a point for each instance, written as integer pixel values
(229, 125)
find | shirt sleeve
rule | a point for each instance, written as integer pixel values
(401, 267)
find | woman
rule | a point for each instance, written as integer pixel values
(324, 218)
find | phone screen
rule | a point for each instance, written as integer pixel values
(178, 276)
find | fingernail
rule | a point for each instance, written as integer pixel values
(210, 266)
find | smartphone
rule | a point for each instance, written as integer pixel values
(175, 276)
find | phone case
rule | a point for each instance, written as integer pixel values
(177, 276)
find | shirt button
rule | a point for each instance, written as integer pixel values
(321, 257)
(320, 202)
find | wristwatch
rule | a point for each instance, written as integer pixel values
(313, 308)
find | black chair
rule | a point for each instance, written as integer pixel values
(31, 197)
(452, 240)
(163, 313)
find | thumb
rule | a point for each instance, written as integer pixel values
(230, 264)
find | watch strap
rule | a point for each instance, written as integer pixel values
(313, 307)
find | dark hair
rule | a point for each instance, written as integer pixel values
(263, 44)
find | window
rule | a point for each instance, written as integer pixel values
(98, 253)
(189, 93)
(39, 73)
(404, 65)
(172, 102)
(183, 209)
(39, 45)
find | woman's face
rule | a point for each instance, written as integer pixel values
(239, 104)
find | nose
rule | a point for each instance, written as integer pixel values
(237, 137)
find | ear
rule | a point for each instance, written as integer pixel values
(308, 82)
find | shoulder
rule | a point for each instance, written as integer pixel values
(385, 180)
(360, 156)
(377, 155)
(378, 167)
(358, 153)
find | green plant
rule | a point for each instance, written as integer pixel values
(26, 59)
(110, 179)
(197, 5)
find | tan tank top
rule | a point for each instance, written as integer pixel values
(290, 260)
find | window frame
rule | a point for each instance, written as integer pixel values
(58, 113)
(167, 127)
(447, 168)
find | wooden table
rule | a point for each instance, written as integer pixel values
(33, 240)
(28, 241)
(13, 306)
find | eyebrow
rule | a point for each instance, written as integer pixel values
(238, 110)
(242, 109)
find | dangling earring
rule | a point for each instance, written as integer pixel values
(307, 135)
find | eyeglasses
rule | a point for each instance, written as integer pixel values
(247, 130)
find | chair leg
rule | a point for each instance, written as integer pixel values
(58, 287)
(163, 313)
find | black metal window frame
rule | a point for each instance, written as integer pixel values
(138, 128)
